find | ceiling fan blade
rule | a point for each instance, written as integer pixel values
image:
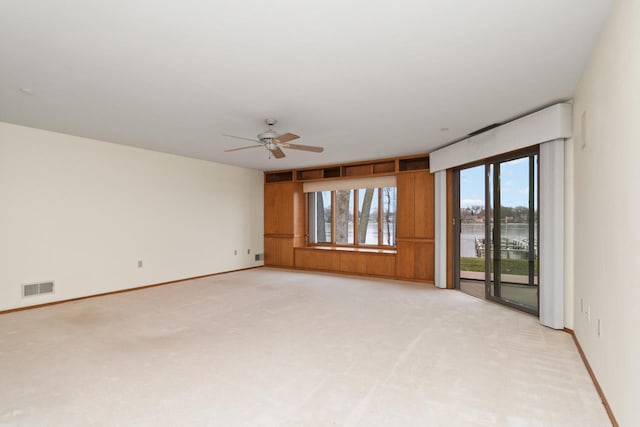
(286, 137)
(241, 137)
(242, 148)
(277, 153)
(304, 147)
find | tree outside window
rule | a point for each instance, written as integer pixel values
(358, 217)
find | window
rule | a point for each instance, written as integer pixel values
(344, 217)
(360, 217)
(388, 215)
(367, 216)
(320, 209)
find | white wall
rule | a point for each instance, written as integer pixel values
(83, 212)
(607, 211)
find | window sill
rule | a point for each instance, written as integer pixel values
(354, 249)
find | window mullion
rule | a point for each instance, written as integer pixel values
(380, 239)
(311, 202)
(333, 217)
(356, 201)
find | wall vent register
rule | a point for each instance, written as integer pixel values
(32, 289)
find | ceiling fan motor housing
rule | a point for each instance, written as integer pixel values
(267, 136)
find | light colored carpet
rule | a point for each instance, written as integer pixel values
(269, 347)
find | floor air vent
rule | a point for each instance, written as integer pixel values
(37, 289)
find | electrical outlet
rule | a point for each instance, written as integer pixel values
(581, 305)
(599, 327)
(235, 252)
(248, 251)
(139, 263)
(583, 130)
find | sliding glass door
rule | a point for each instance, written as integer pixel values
(513, 232)
(503, 231)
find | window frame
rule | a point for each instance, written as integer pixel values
(356, 219)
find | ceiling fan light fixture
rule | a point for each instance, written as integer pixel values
(267, 135)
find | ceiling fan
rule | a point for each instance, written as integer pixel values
(274, 143)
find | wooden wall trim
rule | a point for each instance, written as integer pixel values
(120, 291)
(603, 398)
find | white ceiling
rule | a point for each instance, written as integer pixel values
(364, 79)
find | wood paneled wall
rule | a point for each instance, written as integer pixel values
(380, 264)
(283, 222)
(416, 226)
(285, 226)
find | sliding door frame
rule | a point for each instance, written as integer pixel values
(528, 153)
(491, 261)
(457, 227)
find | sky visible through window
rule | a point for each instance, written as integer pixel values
(514, 184)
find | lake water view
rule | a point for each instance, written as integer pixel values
(372, 233)
(471, 231)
